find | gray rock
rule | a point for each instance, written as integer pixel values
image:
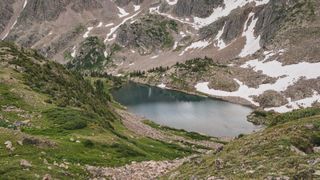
(297, 151)
(9, 145)
(199, 8)
(6, 12)
(123, 3)
(25, 164)
(47, 177)
(271, 99)
(316, 149)
(219, 163)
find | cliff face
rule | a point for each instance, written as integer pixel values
(122, 3)
(6, 12)
(199, 8)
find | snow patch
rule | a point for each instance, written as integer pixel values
(105, 53)
(74, 51)
(136, 7)
(175, 45)
(122, 12)
(196, 45)
(225, 10)
(220, 42)
(87, 33)
(252, 43)
(182, 34)
(100, 24)
(172, 2)
(163, 86)
(154, 57)
(25, 4)
(108, 25)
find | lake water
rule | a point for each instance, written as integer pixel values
(184, 111)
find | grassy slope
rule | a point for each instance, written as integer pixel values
(61, 108)
(265, 153)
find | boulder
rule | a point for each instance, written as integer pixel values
(9, 145)
(25, 164)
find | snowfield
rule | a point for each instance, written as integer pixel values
(287, 76)
(220, 12)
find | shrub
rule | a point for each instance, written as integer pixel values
(88, 143)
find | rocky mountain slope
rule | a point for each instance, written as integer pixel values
(248, 36)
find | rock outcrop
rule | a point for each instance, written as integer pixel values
(148, 34)
(6, 12)
(199, 8)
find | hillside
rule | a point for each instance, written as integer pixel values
(287, 149)
(57, 124)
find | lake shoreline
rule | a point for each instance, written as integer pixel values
(191, 111)
(230, 99)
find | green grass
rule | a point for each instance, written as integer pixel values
(272, 119)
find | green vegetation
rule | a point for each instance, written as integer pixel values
(198, 64)
(90, 57)
(272, 119)
(180, 132)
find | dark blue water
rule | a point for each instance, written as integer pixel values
(184, 111)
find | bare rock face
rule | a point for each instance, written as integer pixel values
(6, 12)
(271, 99)
(233, 25)
(42, 10)
(82, 5)
(61, 42)
(199, 8)
(270, 19)
(122, 3)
